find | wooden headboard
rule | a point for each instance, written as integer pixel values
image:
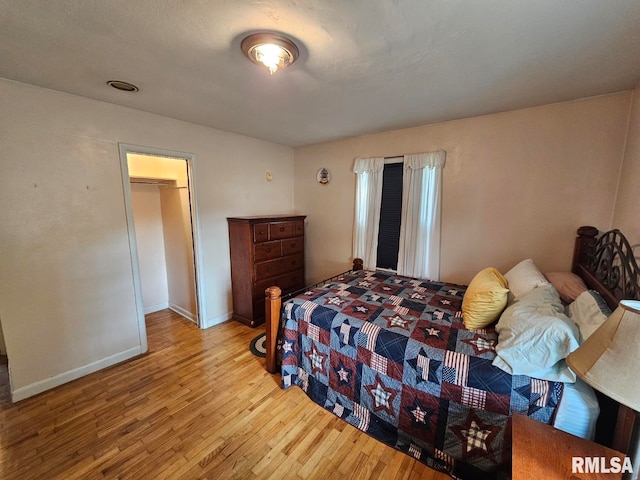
(607, 264)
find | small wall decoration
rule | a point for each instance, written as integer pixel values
(323, 176)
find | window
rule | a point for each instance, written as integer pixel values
(390, 216)
(418, 252)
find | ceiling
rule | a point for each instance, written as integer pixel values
(365, 66)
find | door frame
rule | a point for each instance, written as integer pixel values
(125, 149)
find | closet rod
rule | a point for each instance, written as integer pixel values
(159, 184)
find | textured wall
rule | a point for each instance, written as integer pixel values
(627, 212)
(66, 286)
(515, 184)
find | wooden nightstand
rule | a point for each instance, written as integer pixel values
(543, 452)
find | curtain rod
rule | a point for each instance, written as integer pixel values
(405, 154)
(394, 160)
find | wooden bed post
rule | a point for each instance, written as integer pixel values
(272, 313)
(585, 241)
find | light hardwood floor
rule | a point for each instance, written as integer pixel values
(199, 405)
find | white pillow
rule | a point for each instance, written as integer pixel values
(535, 337)
(524, 277)
(588, 312)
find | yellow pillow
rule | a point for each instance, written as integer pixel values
(485, 299)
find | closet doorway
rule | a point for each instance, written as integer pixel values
(162, 221)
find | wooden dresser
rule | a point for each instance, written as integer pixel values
(265, 251)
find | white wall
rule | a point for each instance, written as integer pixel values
(147, 216)
(179, 250)
(515, 185)
(149, 166)
(66, 285)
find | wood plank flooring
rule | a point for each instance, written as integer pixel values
(199, 405)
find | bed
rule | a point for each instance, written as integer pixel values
(391, 355)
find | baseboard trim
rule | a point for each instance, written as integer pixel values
(44, 385)
(181, 311)
(210, 322)
(156, 308)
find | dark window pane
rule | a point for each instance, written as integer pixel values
(390, 215)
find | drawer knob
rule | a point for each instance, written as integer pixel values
(293, 244)
(268, 250)
(282, 229)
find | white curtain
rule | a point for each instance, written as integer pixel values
(367, 215)
(419, 252)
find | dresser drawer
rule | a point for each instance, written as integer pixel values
(267, 250)
(279, 230)
(288, 281)
(292, 245)
(260, 232)
(273, 268)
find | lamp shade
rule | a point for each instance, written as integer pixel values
(609, 360)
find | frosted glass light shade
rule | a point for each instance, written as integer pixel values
(270, 50)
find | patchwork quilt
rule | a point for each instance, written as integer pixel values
(391, 356)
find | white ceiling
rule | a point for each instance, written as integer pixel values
(365, 65)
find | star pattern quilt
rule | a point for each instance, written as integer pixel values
(390, 355)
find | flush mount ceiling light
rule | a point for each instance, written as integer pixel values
(124, 86)
(270, 50)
